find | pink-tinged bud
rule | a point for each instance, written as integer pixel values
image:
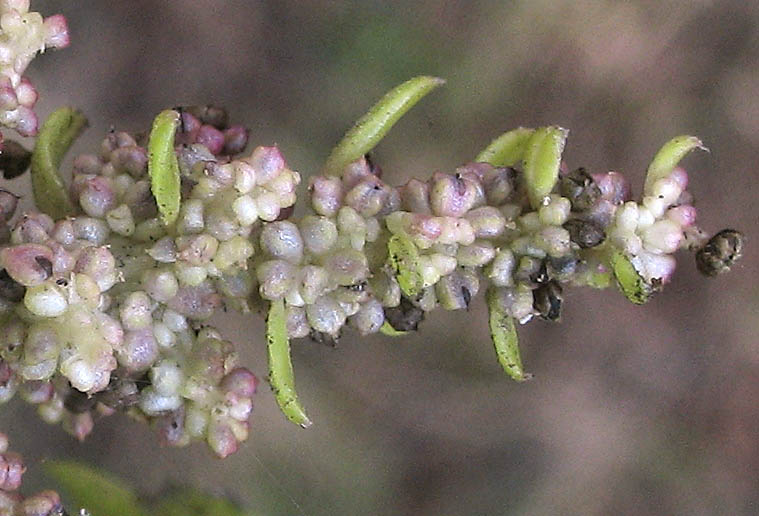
(132, 159)
(11, 471)
(326, 195)
(356, 172)
(240, 382)
(45, 503)
(683, 216)
(26, 93)
(33, 227)
(211, 138)
(99, 264)
(680, 176)
(235, 139)
(37, 391)
(138, 351)
(97, 196)
(171, 429)
(87, 164)
(424, 226)
(368, 197)
(221, 439)
(452, 196)
(196, 302)
(268, 162)
(57, 31)
(79, 425)
(28, 264)
(614, 187)
(415, 197)
(8, 203)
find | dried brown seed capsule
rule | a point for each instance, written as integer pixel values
(14, 159)
(720, 252)
(404, 317)
(578, 186)
(547, 300)
(585, 233)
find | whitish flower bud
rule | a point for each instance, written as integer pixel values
(135, 311)
(486, 222)
(554, 240)
(268, 206)
(326, 195)
(476, 255)
(233, 253)
(501, 269)
(369, 318)
(45, 300)
(93, 230)
(297, 323)
(282, 240)
(556, 212)
(663, 236)
(191, 217)
(120, 220)
(326, 315)
(245, 210)
(195, 302)
(415, 197)
(139, 350)
(99, 264)
(276, 278)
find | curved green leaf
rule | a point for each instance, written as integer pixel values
(669, 156)
(55, 137)
(542, 158)
(505, 340)
(404, 259)
(94, 490)
(163, 167)
(507, 150)
(387, 329)
(188, 502)
(375, 124)
(281, 376)
(631, 283)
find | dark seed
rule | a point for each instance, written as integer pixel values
(547, 301)
(14, 159)
(578, 186)
(46, 265)
(323, 338)
(404, 317)
(720, 252)
(78, 402)
(585, 233)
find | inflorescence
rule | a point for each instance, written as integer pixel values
(106, 309)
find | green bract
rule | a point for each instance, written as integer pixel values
(542, 158)
(669, 156)
(281, 375)
(375, 124)
(504, 334)
(163, 167)
(404, 259)
(507, 150)
(633, 286)
(56, 136)
(387, 329)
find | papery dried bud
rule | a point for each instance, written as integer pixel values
(584, 233)
(25, 263)
(720, 252)
(404, 317)
(579, 187)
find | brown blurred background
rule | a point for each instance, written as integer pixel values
(634, 410)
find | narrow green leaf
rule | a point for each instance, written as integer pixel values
(505, 340)
(387, 329)
(94, 490)
(507, 150)
(631, 283)
(375, 124)
(281, 376)
(542, 158)
(56, 136)
(669, 156)
(404, 259)
(188, 502)
(163, 167)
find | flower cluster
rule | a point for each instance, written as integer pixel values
(22, 35)
(45, 503)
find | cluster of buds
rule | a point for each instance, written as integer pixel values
(103, 310)
(22, 35)
(12, 503)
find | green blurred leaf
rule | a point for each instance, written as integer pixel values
(630, 282)
(187, 502)
(387, 329)
(163, 167)
(94, 490)
(404, 259)
(507, 150)
(375, 124)
(55, 137)
(505, 339)
(281, 376)
(541, 161)
(669, 156)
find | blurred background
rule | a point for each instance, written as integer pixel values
(633, 410)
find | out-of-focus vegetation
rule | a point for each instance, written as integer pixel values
(634, 410)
